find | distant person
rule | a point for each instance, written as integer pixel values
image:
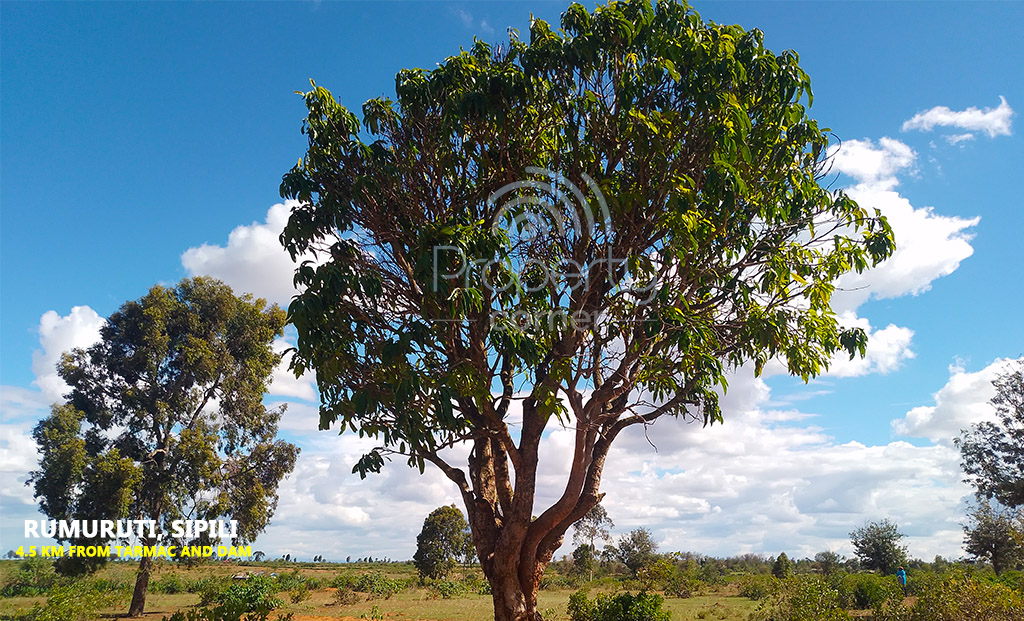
(901, 577)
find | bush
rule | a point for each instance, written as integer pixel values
(755, 587)
(169, 583)
(75, 602)
(298, 594)
(958, 598)
(446, 589)
(555, 582)
(225, 612)
(866, 591)
(254, 594)
(619, 607)
(378, 584)
(35, 577)
(345, 596)
(210, 589)
(343, 581)
(803, 598)
(291, 580)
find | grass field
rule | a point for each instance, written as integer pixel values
(413, 603)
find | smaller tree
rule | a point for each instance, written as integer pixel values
(828, 561)
(593, 526)
(584, 558)
(995, 535)
(877, 546)
(782, 568)
(443, 540)
(165, 421)
(992, 452)
(637, 549)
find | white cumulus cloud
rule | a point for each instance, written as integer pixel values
(58, 334)
(252, 261)
(929, 245)
(962, 402)
(872, 164)
(996, 121)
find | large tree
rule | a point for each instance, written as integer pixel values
(165, 419)
(992, 452)
(587, 230)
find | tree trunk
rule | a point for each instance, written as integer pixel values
(511, 602)
(138, 604)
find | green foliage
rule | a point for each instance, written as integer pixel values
(77, 601)
(702, 237)
(165, 417)
(618, 607)
(637, 549)
(801, 598)
(346, 596)
(593, 526)
(995, 535)
(957, 598)
(782, 568)
(169, 583)
(992, 451)
(298, 594)
(226, 612)
(712, 141)
(35, 576)
(448, 589)
(376, 583)
(443, 540)
(828, 561)
(375, 613)
(755, 587)
(877, 545)
(584, 559)
(866, 591)
(255, 593)
(210, 589)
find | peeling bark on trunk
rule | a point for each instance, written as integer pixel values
(510, 603)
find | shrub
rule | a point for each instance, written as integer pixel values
(803, 598)
(35, 576)
(210, 589)
(254, 594)
(291, 580)
(783, 567)
(169, 583)
(447, 589)
(298, 594)
(345, 596)
(619, 607)
(225, 612)
(109, 585)
(958, 598)
(755, 587)
(376, 583)
(555, 582)
(865, 591)
(74, 602)
(343, 581)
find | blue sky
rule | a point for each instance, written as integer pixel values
(136, 137)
